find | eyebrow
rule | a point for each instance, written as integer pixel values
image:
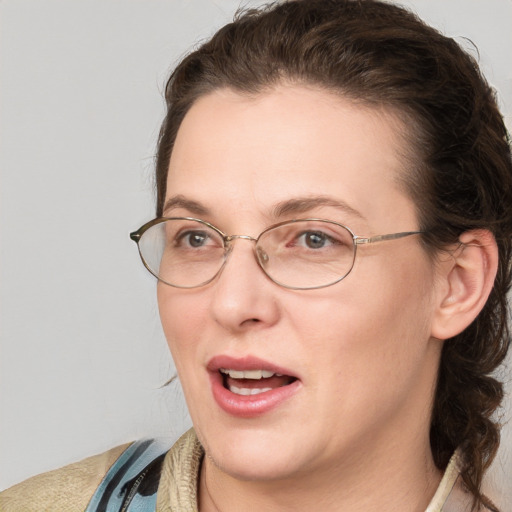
(305, 204)
(181, 201)
(293, 206)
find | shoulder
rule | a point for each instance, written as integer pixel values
(69, 488)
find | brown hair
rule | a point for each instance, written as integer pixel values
(378, 53)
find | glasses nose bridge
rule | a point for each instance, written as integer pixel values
(228, 239)
(259, 255)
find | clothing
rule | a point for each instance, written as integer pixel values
(70, 489)
(67, 489)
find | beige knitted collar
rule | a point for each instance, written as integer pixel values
(177, 491)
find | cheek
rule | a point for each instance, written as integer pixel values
(180, 313)
(375, 329)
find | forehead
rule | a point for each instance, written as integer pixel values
(237, 151)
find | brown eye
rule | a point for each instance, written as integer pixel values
(193, 239)
(197, 239)
(315, 240)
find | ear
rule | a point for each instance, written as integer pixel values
(465, 278)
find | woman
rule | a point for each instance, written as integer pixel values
(321, 375)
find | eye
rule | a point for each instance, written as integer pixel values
(193, 239)
(314, 239)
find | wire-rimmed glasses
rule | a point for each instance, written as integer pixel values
(300, 254)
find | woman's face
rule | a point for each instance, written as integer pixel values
(357, 358)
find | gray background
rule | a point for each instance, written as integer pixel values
(82, 353)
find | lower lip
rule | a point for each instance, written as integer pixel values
(249, 406)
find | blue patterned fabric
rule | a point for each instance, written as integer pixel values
(131, 483)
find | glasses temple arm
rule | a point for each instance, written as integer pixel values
(135, 236)
(380, 238)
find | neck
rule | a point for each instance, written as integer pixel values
(387, 480)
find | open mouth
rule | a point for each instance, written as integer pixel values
(253, 382)
(250, 387)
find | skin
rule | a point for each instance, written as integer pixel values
(355, 435)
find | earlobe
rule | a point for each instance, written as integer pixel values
(465, 280)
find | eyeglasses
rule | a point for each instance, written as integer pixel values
(299, 254)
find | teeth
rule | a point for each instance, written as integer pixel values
(248, 374)
(247, 391)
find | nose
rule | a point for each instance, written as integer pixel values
(243, 296)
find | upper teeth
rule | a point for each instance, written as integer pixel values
(249, 374)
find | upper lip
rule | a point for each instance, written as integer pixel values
(246, 363)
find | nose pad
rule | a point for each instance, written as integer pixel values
(228, 249)
(262, 256)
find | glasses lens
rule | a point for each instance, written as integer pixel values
(182, 252)
(306, 254)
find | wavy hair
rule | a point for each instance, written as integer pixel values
(460, 175)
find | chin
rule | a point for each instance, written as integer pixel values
(260, 468)
(253, 456)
